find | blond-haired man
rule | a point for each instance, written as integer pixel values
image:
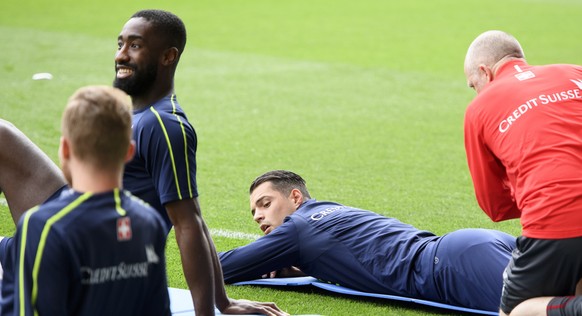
(94, 249)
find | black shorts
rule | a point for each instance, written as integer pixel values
(541, 267)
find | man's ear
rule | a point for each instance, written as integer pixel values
(486, 71)
(130, 151)
(64, 149)
(296, 197)
(170, 56)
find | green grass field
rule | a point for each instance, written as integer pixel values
(365, 99)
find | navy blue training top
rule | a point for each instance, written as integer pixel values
(163, 169)
(89, 254)
(351, 247)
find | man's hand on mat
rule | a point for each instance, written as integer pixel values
(250, 307)
(290, 272)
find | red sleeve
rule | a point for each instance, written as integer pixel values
(492, 187)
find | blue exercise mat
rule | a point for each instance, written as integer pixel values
(303, 281)
(181, 303)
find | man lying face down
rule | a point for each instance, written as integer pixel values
(365, 251)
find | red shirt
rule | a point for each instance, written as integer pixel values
(523, 138)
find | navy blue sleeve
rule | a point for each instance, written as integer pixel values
(272, 252)
(54, 278)
(8, 260)
(170, 156)
(42, 272)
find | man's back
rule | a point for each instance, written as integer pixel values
(530, 118)
(340, 244)
(84, 254)
(336, 240)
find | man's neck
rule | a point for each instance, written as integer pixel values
(96, 180)
(147, 99)
(502, 62)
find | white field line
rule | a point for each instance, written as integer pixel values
(214, 232)
(233, 234)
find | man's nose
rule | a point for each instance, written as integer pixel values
(121, 55)
(258, 216)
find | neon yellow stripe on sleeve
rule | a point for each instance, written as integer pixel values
(21, 258)
(43, 236)
(173, 98)
(169, 149)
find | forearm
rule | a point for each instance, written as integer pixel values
(197, 266)
(269, 253)
(221, 298)
(490, 180)
(498, 206)
(494, 193)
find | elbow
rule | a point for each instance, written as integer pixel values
(500, 213)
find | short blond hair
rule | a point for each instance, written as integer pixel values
(97, 124)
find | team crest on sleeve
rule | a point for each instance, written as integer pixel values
(123, 228)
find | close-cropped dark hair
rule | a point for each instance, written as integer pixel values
(168, 24)
(282, 181)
